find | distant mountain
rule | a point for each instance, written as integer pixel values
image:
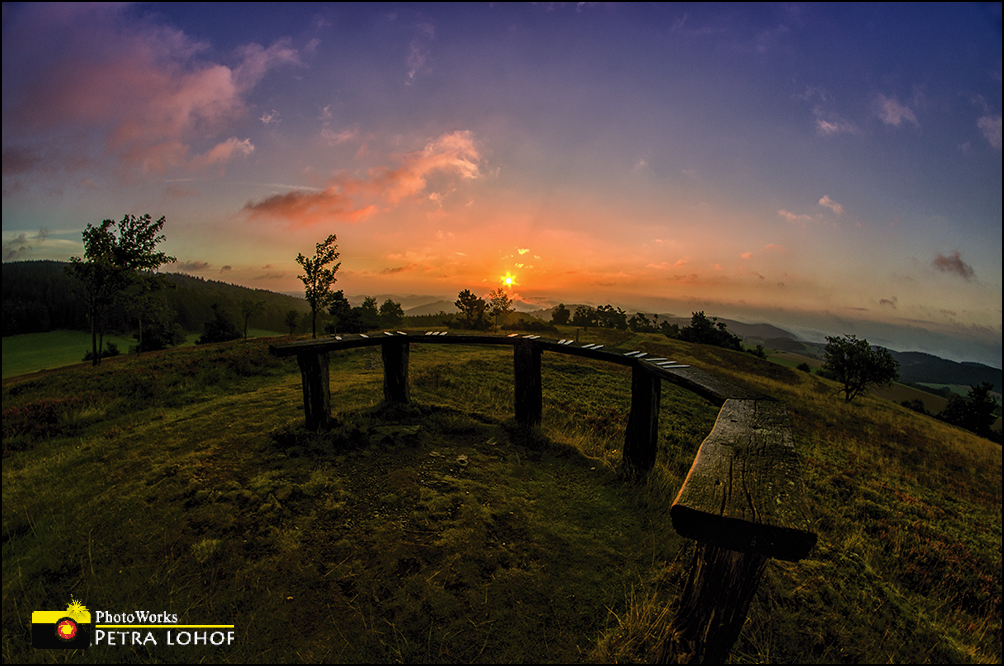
(432, 308)
(38, 296)
(916, 367)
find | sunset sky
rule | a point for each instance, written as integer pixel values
(827, 168)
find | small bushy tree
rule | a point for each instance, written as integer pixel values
(975, 412)
(116, 254)
(249, 309)
(584, 316)
(472, 311)
(220, 328)
(499, 305)
(318, 278)
(710, 332)
(561, 315)
(391, 313)
(292, 318)
(857, 365)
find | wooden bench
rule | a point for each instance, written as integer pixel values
(743, 500)
(648, 371)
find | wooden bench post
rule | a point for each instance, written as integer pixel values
(641, 442)
(316, 392)
(395, 371)
(713, 609)
(528, 390)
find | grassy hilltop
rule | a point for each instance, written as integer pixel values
(183, 482)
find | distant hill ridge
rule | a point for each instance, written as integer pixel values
(37, 296)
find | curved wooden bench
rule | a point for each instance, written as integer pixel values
(743, 500)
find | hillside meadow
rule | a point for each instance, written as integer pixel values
(183, 482)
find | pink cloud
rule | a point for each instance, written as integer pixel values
(794, 218)
(222, 152)
(893, 113)
(354, 199)
(131, 91)
(309, 208)
(831, 204)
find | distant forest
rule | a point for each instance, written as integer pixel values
(39, 296)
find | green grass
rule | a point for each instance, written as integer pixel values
(32, 352)
(41, 351)
(184, 482)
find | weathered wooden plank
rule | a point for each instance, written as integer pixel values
(641, 441)
(744, 491)
(316, 391)
(395, 354)
(528, 389)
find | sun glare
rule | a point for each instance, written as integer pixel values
(509, 279)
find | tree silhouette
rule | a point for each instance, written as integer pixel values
(561, 314)
(499, 304)
(292, 317)
(318, 278)
(391, 313)
(218, 329)
(249, 309)
(116, 254)
(975, 412)
(856, 365)
(472, 310)
(585, 316)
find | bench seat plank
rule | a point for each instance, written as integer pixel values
(744, 491)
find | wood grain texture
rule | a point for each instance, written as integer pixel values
(744, 491)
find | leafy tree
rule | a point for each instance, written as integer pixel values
(499, 304)
(472, 310)
(857, 365)
(608, 316)
(561, 314)
(710, 332)
(219, 329)
(975, 412)
(318, 278)
(115, 254)
(249, 309)
(391, 313)
(155, 327)
(291, 320)
(670, 330)
(640, 323)
(341, 311)
(584, 316)
(159, 332)
(369, 316)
